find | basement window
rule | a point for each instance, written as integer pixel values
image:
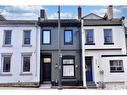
(116, 66)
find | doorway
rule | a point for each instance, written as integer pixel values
(45, 70)
(88, 66)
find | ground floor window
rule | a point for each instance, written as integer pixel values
(68, 66)
(116, 66)
(26, 63)
(6, 63)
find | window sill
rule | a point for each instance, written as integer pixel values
(116, 71)
(22, 74)
(26, 45)
(68, 77)
(89, 43)
(108, 43)
(68, 43)
(7, 46)
(5, 74)
(46, 44)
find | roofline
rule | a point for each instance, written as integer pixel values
(64, 23)
(90, 14)
(105, 25)
(18, 22)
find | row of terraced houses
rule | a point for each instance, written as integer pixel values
(93, 51)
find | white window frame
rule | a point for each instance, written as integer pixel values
(7, 45)
(67, 58)
(111, 36)
(2, 64)
(117, 65)
(26, 55)
(26, 45)
(86, 30)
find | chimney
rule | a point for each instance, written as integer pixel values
(79, 12)
(110, 12)
(42, 14)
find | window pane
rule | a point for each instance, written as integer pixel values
(119, 68)
(108, 35)
(111, 63)
(47, 60)
(68, 70)
(68, 36)
(89, 36)
(26, 64)
(120, 63)
(6, 64)
(7, 37)
(113, 68)
(116, 65)
(68, 61)
(26, 37)
(46, 37)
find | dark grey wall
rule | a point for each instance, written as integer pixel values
(54, 38)
(73, 50)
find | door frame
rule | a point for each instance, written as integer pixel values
(41, 67)
(91, 66)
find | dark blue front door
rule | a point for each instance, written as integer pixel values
(88, 66)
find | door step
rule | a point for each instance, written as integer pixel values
(45, 86)
(46, 82)
(91, 85)
(69, 87)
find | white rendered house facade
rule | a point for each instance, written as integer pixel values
(19, 52)
(104, 51)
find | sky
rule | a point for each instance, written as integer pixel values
(32, 12)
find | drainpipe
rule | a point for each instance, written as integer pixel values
(36, 49)
(123, 25)
(59, 52)
(83, 55)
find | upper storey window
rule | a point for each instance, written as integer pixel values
(27, 37)
(68, 37)
(46, 37)
(7, 37)
(89, 37)
(108, 36)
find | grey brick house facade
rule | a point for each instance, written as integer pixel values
(71, 52)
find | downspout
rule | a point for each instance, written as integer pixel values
(59, 52)
(83, 55)
(123, 24)
(36, 49)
